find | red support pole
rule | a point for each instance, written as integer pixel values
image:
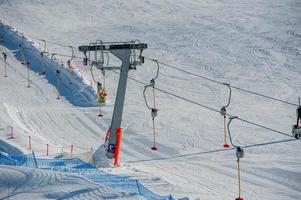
(47, 149)
(118, 147)
(71, 150)
(29, 142)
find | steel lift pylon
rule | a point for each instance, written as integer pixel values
(129, 53)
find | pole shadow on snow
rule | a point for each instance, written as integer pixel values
(71, 85)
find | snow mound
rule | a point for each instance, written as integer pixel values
(100, 158)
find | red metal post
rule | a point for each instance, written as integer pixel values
(118, 146)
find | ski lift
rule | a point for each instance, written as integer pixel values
(43, 67)
(239, 155)
(296, 132)
(70, 62)
(58, 78)
(122, 51)
(101, 97)
(154, 110)
(223, 112)
(296, 129)
(85, 61)
(102, 94)
(43, 72)
(53, 56)
(28, 74)
(103, 71)
(4, 55)
(98, 59)
(5, 63)
(21, 50)
(136, 59)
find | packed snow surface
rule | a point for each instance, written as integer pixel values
(255, 45)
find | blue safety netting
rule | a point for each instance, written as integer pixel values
(77, 166)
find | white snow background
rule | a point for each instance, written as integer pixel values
(255, 45)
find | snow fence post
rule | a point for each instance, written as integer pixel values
(29, 142)
(34, 159)
(47, 149)
(71, 150)
(12, 132)
(28, 74)
(5, 63)
(138, 187)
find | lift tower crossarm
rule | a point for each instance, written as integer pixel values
(108, 47)
(124, 51)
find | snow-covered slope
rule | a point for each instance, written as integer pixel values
(251, 44)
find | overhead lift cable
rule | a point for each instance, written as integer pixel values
(210, 108)
(211, 151)
(50, 42)
(196, 103)
(221, 83)
(185, 71)
(68, 56)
